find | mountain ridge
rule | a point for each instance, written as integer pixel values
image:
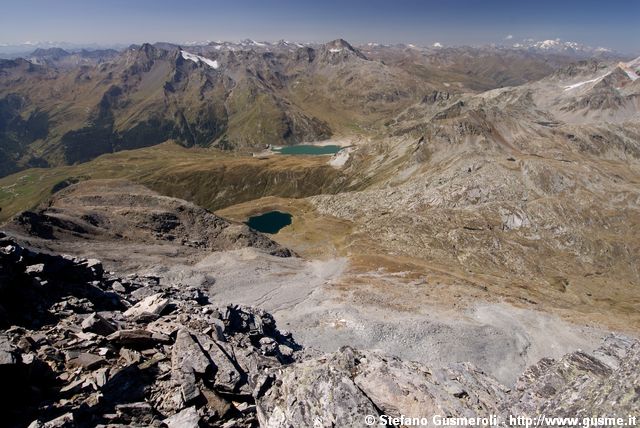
(240, 97)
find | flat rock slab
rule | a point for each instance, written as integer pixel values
(188, 355)
(138, 338)
(188, 418)
(95, 323)
(87, 361)
(227, 376)
(187, 359)
(150, 307)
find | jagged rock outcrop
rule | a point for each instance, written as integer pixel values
(583, 385)
(88, 348)
(343, 388)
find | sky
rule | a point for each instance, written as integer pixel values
(613, 23)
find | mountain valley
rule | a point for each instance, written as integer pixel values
(483, 208)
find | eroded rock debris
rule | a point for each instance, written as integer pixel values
(80, 347)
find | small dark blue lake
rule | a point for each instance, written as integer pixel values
(269, 222)
(308, 149)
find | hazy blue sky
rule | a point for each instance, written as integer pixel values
(610, 23)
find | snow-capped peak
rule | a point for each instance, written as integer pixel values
(251, 42)
(547, 44)
(558, 45)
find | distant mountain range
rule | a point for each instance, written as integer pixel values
(66, 105)
(9, 51)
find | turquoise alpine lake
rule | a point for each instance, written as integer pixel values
(269, 222)
(308, 149)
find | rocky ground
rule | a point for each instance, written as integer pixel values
(85, 347)
(326, 302)
(517, 191)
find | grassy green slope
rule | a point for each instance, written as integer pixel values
(212, 179)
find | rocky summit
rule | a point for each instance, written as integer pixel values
(81, 347)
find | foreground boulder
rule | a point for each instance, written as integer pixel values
(605, 382)
(343, 388)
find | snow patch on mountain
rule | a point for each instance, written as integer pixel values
(198, 59)
(631, 69)
(577, 85)
(340, 159)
